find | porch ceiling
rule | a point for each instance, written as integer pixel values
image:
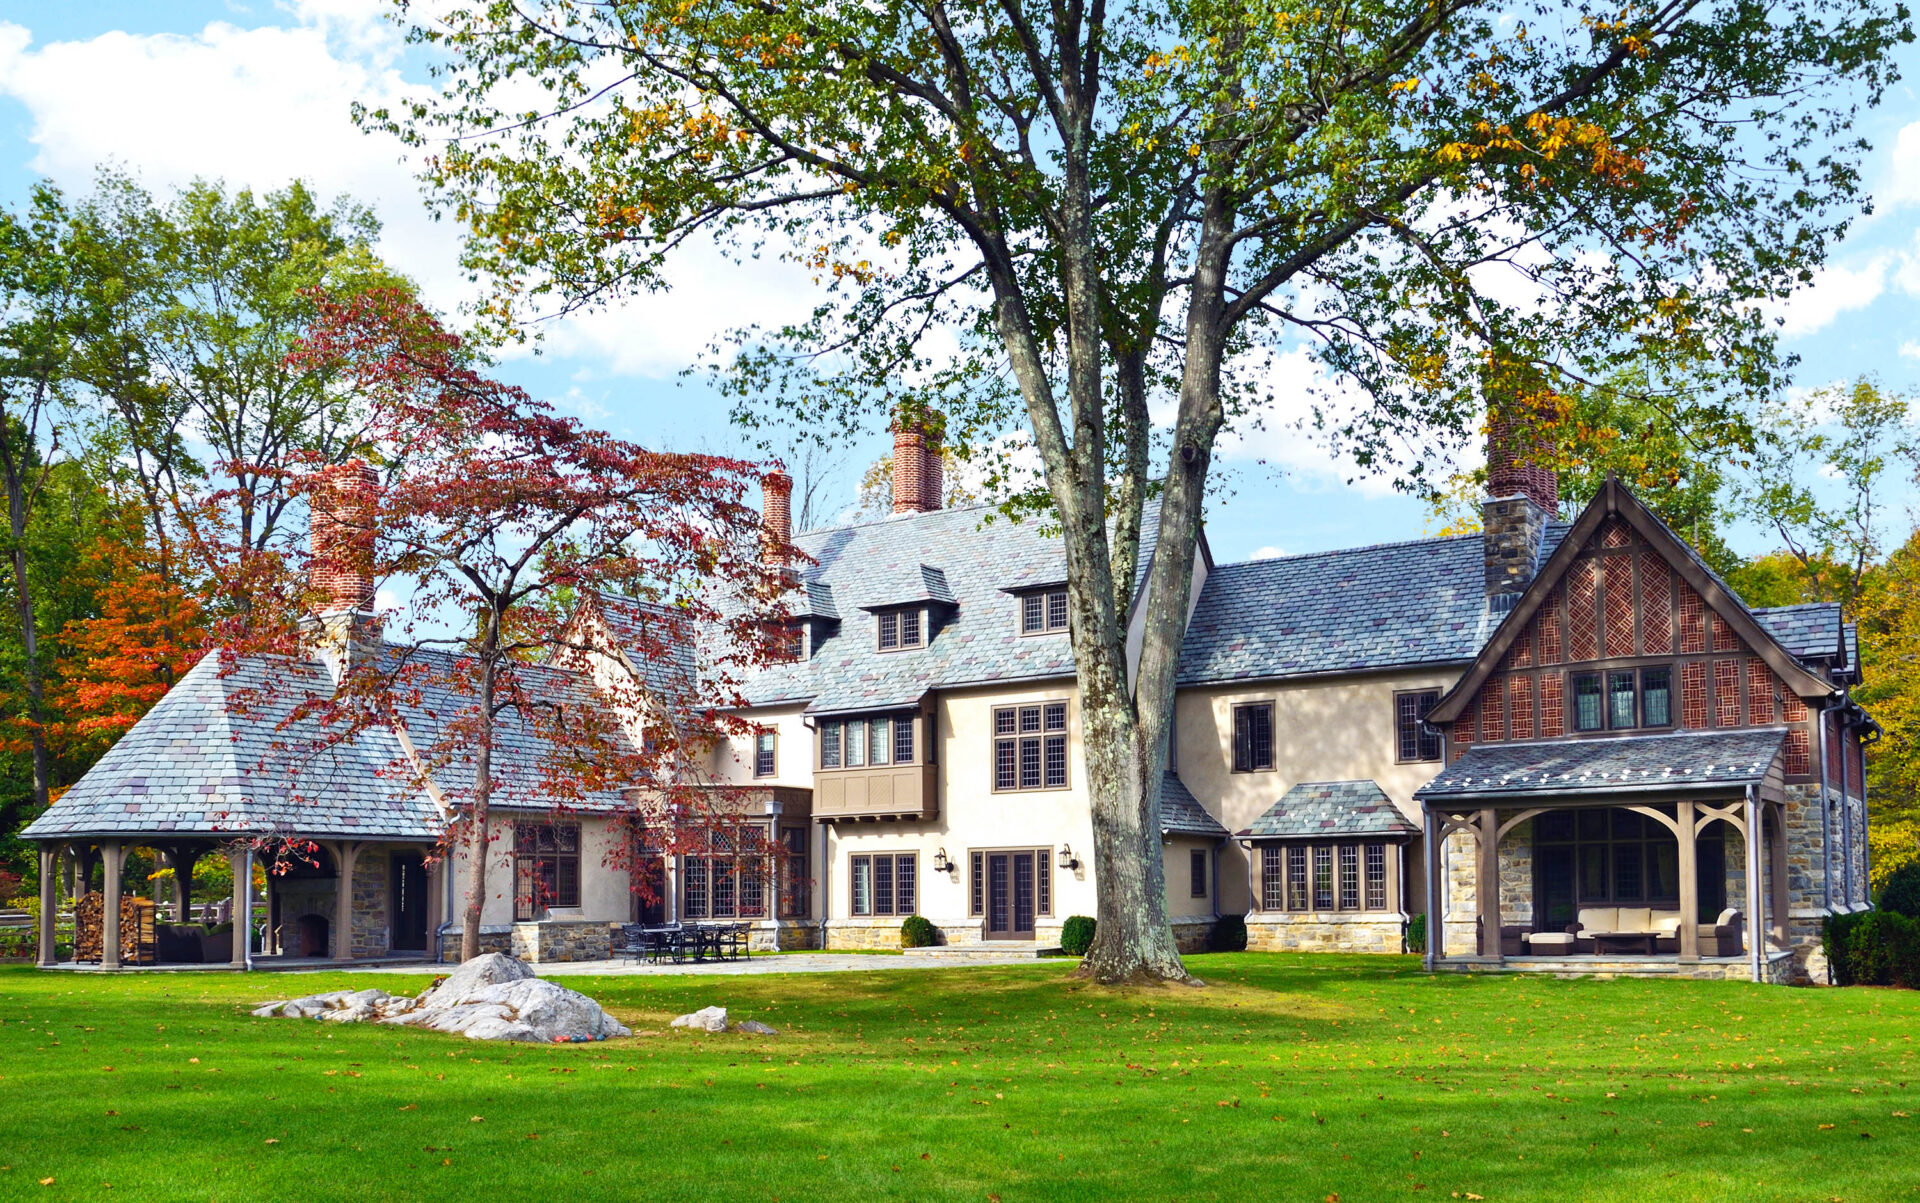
(1692, 762)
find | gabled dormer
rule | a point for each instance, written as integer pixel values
(908, 608)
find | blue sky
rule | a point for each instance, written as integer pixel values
(257, 93)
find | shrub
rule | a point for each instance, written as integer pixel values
(1229, 934)
(1417, 933)
(1901, 894)
(1076, 935)
(918, 932)
(1873, 948)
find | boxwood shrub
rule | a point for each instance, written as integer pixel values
(918, 932)
(1901, 894)
(1076, 935)
(1873, 948)
(1417, 933)
(1229, 934)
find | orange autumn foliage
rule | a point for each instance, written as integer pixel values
(147, 634)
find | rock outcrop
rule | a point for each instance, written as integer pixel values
(492, 997)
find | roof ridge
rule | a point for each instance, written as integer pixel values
(1341, 551)
(890, 518)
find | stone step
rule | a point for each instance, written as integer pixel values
(994, 948)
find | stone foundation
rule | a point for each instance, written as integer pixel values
(1331, 932)
(370, 895)
(492, 939)
(1189, 935)
(565, 939)
(1779, 969)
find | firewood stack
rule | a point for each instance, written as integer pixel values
(136, 929)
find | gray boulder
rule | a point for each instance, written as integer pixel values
(493, 997)
(488, 969)
(754, 1027)
(706, 1019)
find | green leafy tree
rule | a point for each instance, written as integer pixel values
(1455, 205)
(1889, 614)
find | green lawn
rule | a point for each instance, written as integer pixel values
(1289, 1078)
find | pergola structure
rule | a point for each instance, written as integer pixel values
(1684, 783)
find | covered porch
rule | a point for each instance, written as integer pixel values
(1645, 856)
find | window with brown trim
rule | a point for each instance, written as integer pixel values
(884, 883)
(546, 867)
(796, 875)
(1030, 747)
(1043, 612)
(763, 757)
(1197, 872)
(900, 629)
(730, 882)
(1414, 740)
(1253, 737)
(878, 740)
(1346, 876)
(1042, 878)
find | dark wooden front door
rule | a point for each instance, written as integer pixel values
(650, 892)
(409, 902)
(1009, 902)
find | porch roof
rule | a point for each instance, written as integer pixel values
(1329, 810)
(1182, 814)
(1629, 764)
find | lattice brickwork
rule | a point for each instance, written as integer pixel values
(1693, 694)
(1520, 707)
(1656, 605)
(1693, 620)
(1726, 693)
(1799, 757)
(1723, 637)
(1616, 534)
(1520, 655)
(1619, 606)
(1547, 628)
(1795, 708)
(1467, 728)
(1553, 715)
(1582, 639)
(1493, 710)
(1759, 692)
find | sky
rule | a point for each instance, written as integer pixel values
(257, 93)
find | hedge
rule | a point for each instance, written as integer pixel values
(1873, 948)
(1076, 935)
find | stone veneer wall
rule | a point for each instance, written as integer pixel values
(563, 939)
(369, 902)
(1332, 932)
(1516, 876)
(492, 939)
(1460, 931)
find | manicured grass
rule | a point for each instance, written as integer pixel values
(1289, 1078)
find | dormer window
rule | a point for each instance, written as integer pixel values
(1044, 612)
(901, 629)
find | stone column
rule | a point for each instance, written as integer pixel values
(241, 859)
(1486, 883)
(112, 857)
(1756, 889)
(1777, 857)
(345, 853)
(1689, 884)
(1436, 890)
(49, 905)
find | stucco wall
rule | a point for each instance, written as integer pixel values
(793, 751)
(605, 892)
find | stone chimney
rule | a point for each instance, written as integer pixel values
(1523, 495)
(341, 530)
(776, 517)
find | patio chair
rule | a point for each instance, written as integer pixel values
(739, 936)
(631, 944)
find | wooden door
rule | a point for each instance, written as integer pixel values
(409, 902)
(1010, 899)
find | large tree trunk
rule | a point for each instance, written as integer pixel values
(478, 843)
(17, 512)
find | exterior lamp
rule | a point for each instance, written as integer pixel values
(1067, 860)
(940, 862)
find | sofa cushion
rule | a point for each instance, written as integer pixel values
(1727, 916)
(1666, 923)
(1549, 939)
(1597, 918)
(1634, 919)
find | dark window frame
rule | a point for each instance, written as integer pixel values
(731, 881)
(899, 886)
(1297, 875)
(1043, 612)
(892, 629)
(1605, 685)
(1197, 873)
(766, 753)
(1030, 753)
(1647, 861)
(1042, 879)
(1244, 753)
(546, 868)
(1410, 707)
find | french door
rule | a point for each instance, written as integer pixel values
(409, 874)
(1010, 903)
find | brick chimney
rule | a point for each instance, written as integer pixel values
(1523, 495)
(341, 530)
(909, 469)
(776, 517)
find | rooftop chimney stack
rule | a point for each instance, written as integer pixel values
(776, 517)
(909, 466)
(1523, 495)
(341, 531)
(932, 475)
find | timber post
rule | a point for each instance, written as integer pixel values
(1689, 883)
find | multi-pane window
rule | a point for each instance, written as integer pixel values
(1324, 877)
(546, 867)
(1253, 737)
(899, 629)
(796, 893)
(903, 740)
(730, 882)
(1039, 859)
(1416, 741)
(1623, 699)
(884, 883)
(1030, 746)
(860, 742)
(1043, 613)
(1197, 870)
(829, 745)
(763, 762)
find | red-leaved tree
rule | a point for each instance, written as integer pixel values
(497, 523)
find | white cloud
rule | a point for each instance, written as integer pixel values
(1910, 349)
(1284, 438)
(1835, 290)
(1269, 552)
(1901, 183)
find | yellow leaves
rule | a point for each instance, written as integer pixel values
(1404, 85)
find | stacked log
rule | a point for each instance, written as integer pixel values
(136, 929)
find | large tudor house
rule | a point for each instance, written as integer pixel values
(1555, 740)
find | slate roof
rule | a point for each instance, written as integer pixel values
(1331, 810)
(223, 756)
(1596, 766)
(1808, 632)
(1422, 602)
(644, 631)
(961, 559)
(1182, 814)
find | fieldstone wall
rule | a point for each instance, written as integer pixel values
(492, 939)
(1189, 935)
(549, 940)
(1779, 970)
(1516, 876)
(1326, 932)
(1460, 933)
(369, 902)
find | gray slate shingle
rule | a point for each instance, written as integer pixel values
(1182, 814)
(1592, 766)
(1331, 810)
(1808, 632)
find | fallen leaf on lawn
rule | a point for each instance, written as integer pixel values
(533, 1136)
(1900, 1115)
(476, 1119)
(410, 1107)
(1824, 1127)
(46, 1182)
(1705, 1123)
(273, 1140)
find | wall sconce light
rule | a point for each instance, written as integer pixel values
(1067, 860)
(940, 862)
